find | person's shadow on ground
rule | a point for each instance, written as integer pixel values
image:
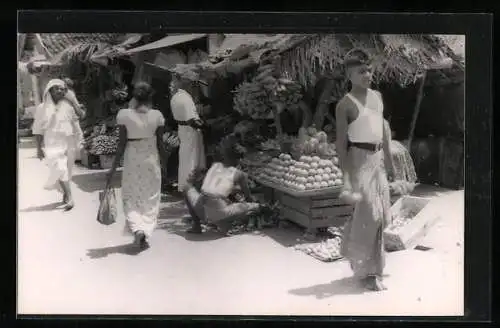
(43, 208)
(344, 286)
(95, 181)
(126, 249)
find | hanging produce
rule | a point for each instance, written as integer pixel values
(313, 143)
(267, 94)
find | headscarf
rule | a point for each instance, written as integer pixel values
(48, 108)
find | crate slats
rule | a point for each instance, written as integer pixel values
(331, 211)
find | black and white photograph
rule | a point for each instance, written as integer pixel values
(316, 174)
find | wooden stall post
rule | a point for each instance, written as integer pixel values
(416, 111)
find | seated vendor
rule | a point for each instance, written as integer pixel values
(211, 203)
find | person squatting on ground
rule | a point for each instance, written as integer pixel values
(363, 139)
(57, 135)
(210, 202)
(191, 149)
(141, 130)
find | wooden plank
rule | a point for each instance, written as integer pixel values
(302, 205)
(295, 216)
(327, 202)
(331, 211)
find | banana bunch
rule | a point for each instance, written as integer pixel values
(252, 99)
(267, 90)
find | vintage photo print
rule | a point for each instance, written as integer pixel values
(163, 172)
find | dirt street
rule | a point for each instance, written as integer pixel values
(70, 264)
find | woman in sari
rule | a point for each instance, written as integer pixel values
(57, 137)
(141, 130)
(363, 139)
(191, 149)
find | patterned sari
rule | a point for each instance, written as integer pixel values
(141, 185)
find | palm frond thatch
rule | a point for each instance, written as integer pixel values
(397, 58)
(82, 52)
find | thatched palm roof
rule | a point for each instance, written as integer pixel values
(306, 57)
(55, 43)
(397, 58)
(455, 42)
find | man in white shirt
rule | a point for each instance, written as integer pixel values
(191, 149)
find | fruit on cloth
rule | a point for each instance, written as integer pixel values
(326, 250)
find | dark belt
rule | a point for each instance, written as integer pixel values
(183, 123)
(139, 139)
(366, 146)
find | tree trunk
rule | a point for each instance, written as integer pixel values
(306, 114)
(323, 104)
(277, 121)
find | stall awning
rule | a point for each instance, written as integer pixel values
(167, 42)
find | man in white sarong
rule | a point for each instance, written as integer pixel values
(191, 149)
(56, 133)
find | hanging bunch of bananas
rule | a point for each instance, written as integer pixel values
(259, 97)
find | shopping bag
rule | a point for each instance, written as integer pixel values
(108, 211)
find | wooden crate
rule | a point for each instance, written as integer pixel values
(316, 212)
(408, 236)
(312, 210)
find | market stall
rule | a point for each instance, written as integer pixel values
(304, 179)
(301, 170)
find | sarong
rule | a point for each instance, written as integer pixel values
(141, 185)
(363, 243)
(59, 150)
(216, 209)
(191, 154)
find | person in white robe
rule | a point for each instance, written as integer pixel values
(191, 149)
(56, 134)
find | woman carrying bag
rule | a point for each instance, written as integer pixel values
(141, 130)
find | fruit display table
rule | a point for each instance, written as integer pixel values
(312, 209)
